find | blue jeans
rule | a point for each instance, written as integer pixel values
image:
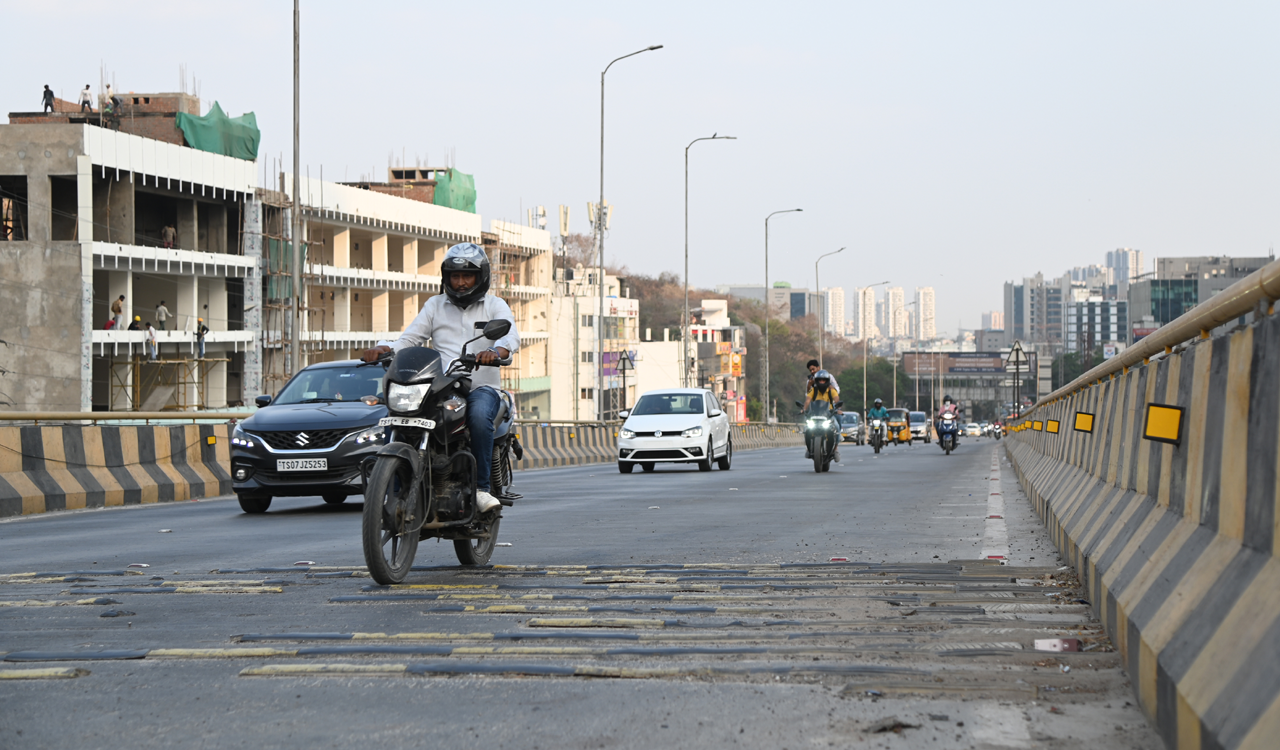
(482, 407)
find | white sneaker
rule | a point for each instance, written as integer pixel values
(486, 502)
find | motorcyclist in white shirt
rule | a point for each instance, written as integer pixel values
(448, 322)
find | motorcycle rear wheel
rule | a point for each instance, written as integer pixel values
(477, 551)
(388, 549)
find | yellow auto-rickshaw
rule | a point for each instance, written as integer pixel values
(899, 426)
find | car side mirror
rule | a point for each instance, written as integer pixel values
(839, 404)
(496, 329)
(624, 414)
(715, 413)
(262, 400)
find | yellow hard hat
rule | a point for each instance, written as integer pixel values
(137, 317)
(199, 320)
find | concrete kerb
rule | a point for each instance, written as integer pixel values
(548, 444)
(1176, 539)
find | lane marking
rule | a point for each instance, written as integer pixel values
(56, 673)
(55, 603)
(551, 670)
(995, 539)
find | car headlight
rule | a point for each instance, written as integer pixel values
(626, 434)
(405, 398)
(371, 435)
(692, 432)
(241, 439)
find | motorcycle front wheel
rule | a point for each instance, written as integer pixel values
(819, 452)
(388, 549)
(477, 551)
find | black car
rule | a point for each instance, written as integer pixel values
(318, 436)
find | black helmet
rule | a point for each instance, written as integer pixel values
(821, 380)
(466, 257)
(948, 400)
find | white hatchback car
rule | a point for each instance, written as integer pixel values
(681, 425)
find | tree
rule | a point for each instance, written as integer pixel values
(1071, 365)
(879, 385)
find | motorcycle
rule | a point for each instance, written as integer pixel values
(877, 434)
(948, 433)
(423, 481)
(824, 433)
(997, 431)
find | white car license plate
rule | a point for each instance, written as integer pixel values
(424, 424)
(302, 464)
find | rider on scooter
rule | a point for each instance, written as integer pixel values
(448, 321)
(821, 390)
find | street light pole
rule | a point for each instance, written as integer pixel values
(600, 216)
(865, 336)
(768, 312)
(295, 352)
(817, 288)
(684, 317)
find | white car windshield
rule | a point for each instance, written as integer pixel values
(668, 403)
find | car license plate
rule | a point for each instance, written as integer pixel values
(302, 464)
(423, 424)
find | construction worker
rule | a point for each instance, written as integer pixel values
(201, 330)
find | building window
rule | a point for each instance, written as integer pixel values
(588, 321)
(589, 357)
(587, 394)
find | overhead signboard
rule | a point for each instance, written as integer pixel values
(961, 364)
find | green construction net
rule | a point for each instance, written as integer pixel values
(279, 268)
(219, 134)
(456, 190)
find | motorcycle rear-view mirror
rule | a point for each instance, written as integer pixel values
(496, 329)
(799, 404)
(839, 404)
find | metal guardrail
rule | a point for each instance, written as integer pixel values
(146, 417)
(1241, 298)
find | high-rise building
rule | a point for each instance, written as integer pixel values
(1095, 322)
(865, 314)
(926, 325)
(1125, 264)
(993, 321)
(833, 304)
(896, 312)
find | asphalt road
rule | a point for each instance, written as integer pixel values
(712, 615)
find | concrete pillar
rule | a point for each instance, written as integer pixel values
(215, 389)
(429, 256)
(121, 397)
(342, 308)
(188, 223)
(39, 201)
(342, 249)
(409, 256)
(188, 309)
(411, 308)
(118, 283)
(214, 294)
(380, 259)
(217, 228)
(84, 231)
(381, 320)
(120, 202)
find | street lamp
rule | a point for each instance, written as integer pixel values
(865, 331)
(684, 335)
(600, 217)
(768, 313)
(817, 288)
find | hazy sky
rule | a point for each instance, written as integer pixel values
(957, 145)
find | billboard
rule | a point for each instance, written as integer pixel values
(960, 364)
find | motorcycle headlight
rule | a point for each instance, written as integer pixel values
(692, 432)
(241, 439)
(404, 398)
(818, 422)
(875, 423)
(371, 435)
(455, 404)
(626, 434)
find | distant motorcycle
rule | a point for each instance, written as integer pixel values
(823, 428)
(948, 433)
(997, 431)
(877, 434)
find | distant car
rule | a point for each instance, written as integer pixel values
(851, 429)
(919, 426)
(682, 425)
(316, 437)
(973, 429)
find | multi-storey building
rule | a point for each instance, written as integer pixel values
(896, 312)
(926, 324)
(1096, 322)
(574, 367)
(865, 314)
(834, 317)
(1125, 264)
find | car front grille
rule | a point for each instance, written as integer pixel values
(639, 455)
(302, 440)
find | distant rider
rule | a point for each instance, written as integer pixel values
(877, 411)
(821, 390)
(448, 322)
(949, 407)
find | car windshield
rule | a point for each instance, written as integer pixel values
(850, 419)
(668, 403)
(918, 417)
(345, 383)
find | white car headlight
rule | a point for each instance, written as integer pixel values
(405, 398)
(371, 435)
(626, 434)
(241, 439)
(692, 432)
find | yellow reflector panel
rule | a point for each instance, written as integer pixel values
(1039, 426)
(1164, 423)
(1053, 426)
(1084, 422)
(211, 440)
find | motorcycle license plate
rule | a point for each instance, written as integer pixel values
(420, 423)
(302, 464)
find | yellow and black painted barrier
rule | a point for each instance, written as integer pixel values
(1165, 495)
(65, 467)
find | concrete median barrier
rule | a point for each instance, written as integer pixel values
(65, 467)
(550, 444)
(1159, 482)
